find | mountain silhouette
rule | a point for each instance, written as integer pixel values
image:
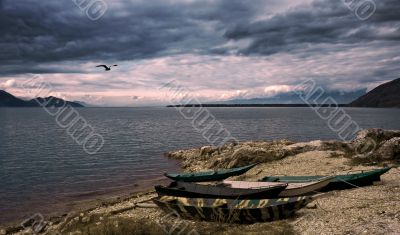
(386, 95)
(293, 98)
(8, 100)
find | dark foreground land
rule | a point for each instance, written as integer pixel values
(368, 210)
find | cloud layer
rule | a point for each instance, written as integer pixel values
(220, 49)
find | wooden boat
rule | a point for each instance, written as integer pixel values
(193, 190)
(363, 178)
(214, 175)
(232, 211)
(292, 190)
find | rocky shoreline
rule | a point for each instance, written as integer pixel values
(370, 146)
(368, 210)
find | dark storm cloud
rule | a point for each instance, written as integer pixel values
(324, 21)
(40, 32)
(35, 33)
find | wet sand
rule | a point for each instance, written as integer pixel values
(79, 202)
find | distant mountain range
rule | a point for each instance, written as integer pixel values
(386, 95)
(8, 100)
(293, 98)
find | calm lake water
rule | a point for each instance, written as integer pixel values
(43, 169)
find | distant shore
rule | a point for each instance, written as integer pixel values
(257, 105)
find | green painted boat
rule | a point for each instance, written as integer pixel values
(232, 211)
(363, 178)
(204, 176)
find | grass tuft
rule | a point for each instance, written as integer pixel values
(128, 226)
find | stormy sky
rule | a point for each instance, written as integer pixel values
(218, 49)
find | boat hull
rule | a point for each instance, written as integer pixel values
(364, 178)
(193, 190)
(209, 175)
(292, 190)
(232, 211)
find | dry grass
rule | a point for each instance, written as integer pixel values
(269, 228)
(129, 226)
(371, 160)
(115, 226)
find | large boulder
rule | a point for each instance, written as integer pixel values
(376, 134)
(376, 144)
(389, 150)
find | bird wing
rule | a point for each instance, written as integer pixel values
(102, 65)
(115, 65)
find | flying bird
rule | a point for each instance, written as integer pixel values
(106, 68)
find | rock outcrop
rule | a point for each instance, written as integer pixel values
(390, 149)
(376, 145)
